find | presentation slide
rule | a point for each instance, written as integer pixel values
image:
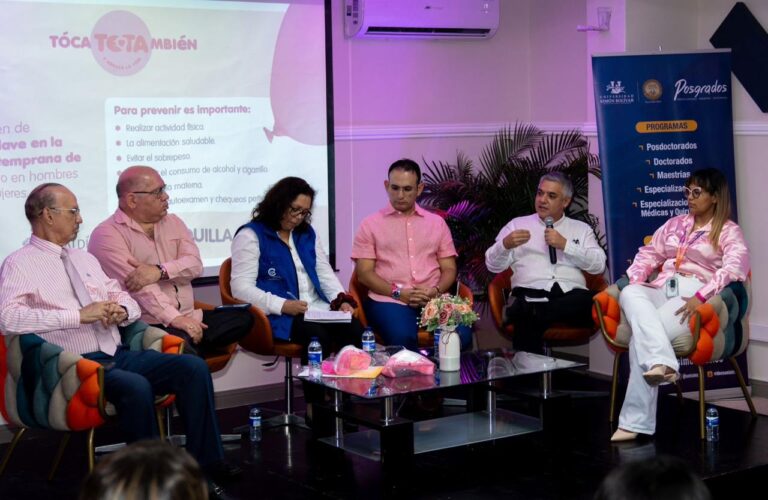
(222, 98)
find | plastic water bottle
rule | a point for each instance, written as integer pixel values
(315, 358)
(437, 342)
(254, 418)
(713, 424)
(369, 341)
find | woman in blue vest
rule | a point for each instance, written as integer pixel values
(278, 265)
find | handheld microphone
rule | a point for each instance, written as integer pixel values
(550, 223)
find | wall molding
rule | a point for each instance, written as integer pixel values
(444, 130)
(758, 332)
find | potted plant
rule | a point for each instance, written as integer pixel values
(477, 202)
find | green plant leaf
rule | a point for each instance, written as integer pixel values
(477, 202)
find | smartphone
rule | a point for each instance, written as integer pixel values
(233, 306)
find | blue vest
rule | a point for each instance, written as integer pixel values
(277, 273)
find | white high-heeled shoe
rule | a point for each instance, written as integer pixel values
(622, 435)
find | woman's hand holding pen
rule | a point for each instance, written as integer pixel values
(294, 307)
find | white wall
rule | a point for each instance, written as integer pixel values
(430, 99)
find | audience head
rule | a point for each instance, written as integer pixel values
(553, 195)
(141, 194)
(146, 470)
(286, 206)
(404, 185)
(708, 196)
(657, 478)
(53, 213)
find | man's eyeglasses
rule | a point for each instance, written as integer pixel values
(692, 193)
(298, 211)
(157, 193)
(73, 211)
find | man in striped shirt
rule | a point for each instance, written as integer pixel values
(62, 295)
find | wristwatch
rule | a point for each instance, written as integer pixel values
(163, 272)
(396, 291)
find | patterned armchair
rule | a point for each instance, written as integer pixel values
(718, 330)
(45, 387)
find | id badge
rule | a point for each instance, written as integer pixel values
(670, 287)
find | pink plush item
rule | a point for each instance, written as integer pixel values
(349, 360)
(405, 362)
(327, 366)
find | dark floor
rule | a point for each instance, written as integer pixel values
(289, 464)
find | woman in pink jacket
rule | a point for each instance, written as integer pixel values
(699, 253)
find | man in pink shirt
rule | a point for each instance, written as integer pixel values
(405, 256)
(153, 254)
(61, 294)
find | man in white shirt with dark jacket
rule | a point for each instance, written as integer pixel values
(524, 245)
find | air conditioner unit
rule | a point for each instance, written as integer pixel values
(421, 18)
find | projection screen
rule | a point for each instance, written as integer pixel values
(222, 98)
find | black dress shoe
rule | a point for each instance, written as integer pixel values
(223, 471)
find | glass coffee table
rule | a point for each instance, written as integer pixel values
(385, 436)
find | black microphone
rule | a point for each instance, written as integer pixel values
(550, 223)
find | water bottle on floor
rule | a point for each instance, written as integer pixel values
(315, 358)
(713, 424)
(369, 341)
(254, 418)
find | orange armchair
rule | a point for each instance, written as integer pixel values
(555, 335)
(360, 293)
(260, 341)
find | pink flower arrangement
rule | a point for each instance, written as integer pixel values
(447, 311)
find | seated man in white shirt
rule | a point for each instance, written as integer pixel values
(61, 294)
(547, 292)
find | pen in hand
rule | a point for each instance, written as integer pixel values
(294, 306)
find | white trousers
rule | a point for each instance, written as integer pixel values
(651, 315)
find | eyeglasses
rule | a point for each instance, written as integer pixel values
(298, 211)
(73, 211)
(157, 193)
(692, 193)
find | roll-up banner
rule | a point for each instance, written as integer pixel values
(659, 117)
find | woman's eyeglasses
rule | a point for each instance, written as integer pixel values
(692, 193)
(299, 212)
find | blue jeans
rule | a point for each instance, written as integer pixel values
(398, 324)
(132, 379)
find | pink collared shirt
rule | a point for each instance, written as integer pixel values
(716, 269)
(36, 296)
(406, 247)
(119, 237)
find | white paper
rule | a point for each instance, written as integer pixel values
(318, 316)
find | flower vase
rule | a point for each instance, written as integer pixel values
(450, 349)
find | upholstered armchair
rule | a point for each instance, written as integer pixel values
(46, 387)
(718, 330)
(426, 339)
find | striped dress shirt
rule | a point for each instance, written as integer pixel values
(36, 296)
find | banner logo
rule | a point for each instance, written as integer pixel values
(615, 93)
(652, 90)
(686, 92)
(615, 87)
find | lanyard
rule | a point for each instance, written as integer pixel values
(683, 248)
